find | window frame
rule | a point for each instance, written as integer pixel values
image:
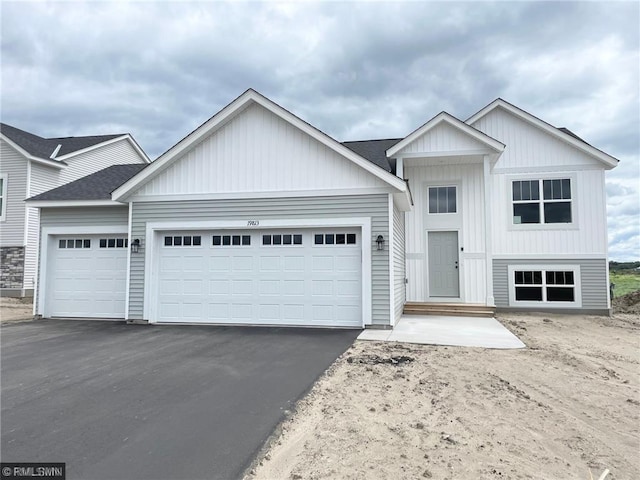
(4, 196)
(454, 186)
(544, 268)
(573, 225)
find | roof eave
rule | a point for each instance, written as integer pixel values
(71, 203)
(227, 113)
(482, 137)
(605, 158)
(45, 161)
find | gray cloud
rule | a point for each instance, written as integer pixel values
(354, 70)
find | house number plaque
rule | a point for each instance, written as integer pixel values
(253, 223)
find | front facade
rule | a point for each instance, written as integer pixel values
(30, 165)
(257, 218)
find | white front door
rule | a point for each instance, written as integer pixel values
(86, 276)
(444, 278)
(310, 277)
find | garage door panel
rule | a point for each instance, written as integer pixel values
(261, 282)
(85, 280)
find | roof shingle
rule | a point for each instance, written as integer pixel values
(44, 147)
(97, 186)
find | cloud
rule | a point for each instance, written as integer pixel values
(354, 70)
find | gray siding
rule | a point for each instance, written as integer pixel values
(399, 274)
(81, 217)
(374, 206)
(593, 277)
(14, 166)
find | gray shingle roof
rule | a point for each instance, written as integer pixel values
(374, 150)
(97, 186)
(44, 147)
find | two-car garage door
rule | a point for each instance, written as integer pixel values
(270, 277)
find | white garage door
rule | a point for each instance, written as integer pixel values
(87, 276)
(270, 277)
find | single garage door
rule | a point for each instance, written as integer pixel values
(268, 277)
(87, 276)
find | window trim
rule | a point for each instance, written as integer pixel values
(430, 186)
(4, 196)
(540, 177)
(544, 268)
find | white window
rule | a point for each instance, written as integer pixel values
(542, 201)
(550, 285)
(3, 197)
(443, 200)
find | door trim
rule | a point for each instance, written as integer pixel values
(428, 296)
(151, 254)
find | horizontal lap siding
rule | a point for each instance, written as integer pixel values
(374, 206)
(593, 277)
(14, 166)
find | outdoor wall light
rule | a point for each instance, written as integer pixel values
(380, 242)
(135, 246)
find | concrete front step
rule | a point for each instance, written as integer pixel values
(449, 309)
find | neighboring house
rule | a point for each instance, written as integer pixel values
(257, 217)
(30, 165)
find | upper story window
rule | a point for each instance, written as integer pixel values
(3, 197)
(542, 201)
(443, 200)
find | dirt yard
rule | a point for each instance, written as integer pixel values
(15, 309)
(567, 407)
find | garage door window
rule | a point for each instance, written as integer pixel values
(282, 239)
(114, 243)
(231, 240)
(74, 243)
(334, 239)
(183, 241)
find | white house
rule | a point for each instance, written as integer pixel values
(259, 218)
(30, 165)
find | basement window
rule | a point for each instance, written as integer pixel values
(557, 286)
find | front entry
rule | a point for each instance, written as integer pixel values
(443, 264)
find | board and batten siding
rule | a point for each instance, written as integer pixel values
(117, 153)
(399, 286)
(374, 206)
(14, 167)
(593, 278)
(43, 178)
(257, 151)
(469, 221)
(587, 234)
(528, 146)
(442, 138)
(81, 217)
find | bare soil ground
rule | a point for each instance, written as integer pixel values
(16, 309)
(567, 407)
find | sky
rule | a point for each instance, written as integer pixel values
(357, 70)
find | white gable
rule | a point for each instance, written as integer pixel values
(258, 151)
(528, 146)
(442, 138)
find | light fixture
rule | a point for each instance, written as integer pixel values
(135, 245)
(380, 242)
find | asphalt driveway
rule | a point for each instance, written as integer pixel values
(124, 401)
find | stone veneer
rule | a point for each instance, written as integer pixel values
(11, 267)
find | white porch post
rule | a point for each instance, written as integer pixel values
(399, 168)
(490, 301)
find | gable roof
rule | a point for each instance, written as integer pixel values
(444, 117)
(227, 114)
(563, 134)
(96, 186)
(60, 148)
(374, 150)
